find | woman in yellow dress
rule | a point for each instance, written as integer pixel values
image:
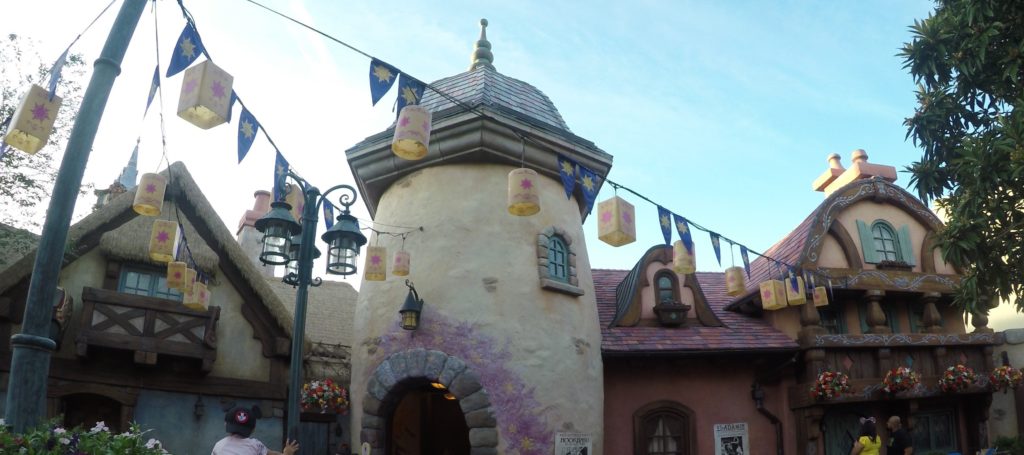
(869, 442)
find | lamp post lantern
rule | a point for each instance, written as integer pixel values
(344, 239)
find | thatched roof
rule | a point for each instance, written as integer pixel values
(330, 310)
(14, 243)
(118, 217)
(130, 241)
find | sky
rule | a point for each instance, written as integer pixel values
(723, 112)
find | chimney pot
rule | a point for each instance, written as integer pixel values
(834, 161)
(859, 156)
(262, 204)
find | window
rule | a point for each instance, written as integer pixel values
(879, 242)
(558, 259)
(934, 431)
(664, 428)
(666, 287)
(886, 244)
(147, 282)
(916, 312)
(890, 318)
(833, 318)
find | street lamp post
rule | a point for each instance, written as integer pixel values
(30, 362)
(343, 242)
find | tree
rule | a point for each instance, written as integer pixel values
(966, 59)
(26, 180)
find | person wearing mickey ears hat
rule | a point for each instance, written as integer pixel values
(239, 422)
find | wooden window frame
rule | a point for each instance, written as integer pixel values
(839, 310)
(155, 275)
(904, 250)
(673, 279)
(665, 408)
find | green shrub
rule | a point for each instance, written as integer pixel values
(52, 439)
(1011, 445)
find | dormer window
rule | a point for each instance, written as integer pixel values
(666, 288)
(880, 242)
(887, 246)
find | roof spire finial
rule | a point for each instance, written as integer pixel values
(482, 56)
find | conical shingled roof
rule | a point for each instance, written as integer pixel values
(487, 87)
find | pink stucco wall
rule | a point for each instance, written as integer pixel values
(716, 390)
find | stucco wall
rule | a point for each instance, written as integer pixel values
(476, 268)
(868, 211)
(171, 419)
(717, 391)
(832, 254)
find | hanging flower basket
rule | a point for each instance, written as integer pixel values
(957, 378)
(1005, 378)
(899, 379)
(830, 384)
(325, 396)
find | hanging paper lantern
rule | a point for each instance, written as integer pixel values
(617, 223)
(205, 95)
(773, 295)
(735, 283)
(32, 123)
(820, 296)
(198, 298)
(683, 261)
(176, 274)
(190, 279)
(796, 295)
(163, 241)
(412, 133)
(400, 266)
(523, 199)
(376, 268)
(297, 200)
(149, 195)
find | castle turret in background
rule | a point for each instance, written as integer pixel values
(507, 353)
(126, 181)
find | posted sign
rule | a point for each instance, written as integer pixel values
(731, 439)
(573, 444)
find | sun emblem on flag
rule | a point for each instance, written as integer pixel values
(588, 183)
(682, 227)
(40, 112)
(383, 73)
(410, 95)
(665, 221)
(567, 168)
(280, 169)
(247, 129)
(188, 49)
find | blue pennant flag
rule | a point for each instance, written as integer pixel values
(716, 243)
(231, 105)
(589, 186)
(665, 221)
(567, 171)
(684, 232)
(746, 259)
(382, 77)
(792, 281)
(153, 86)
(328, 214)
(410, 91)
(55, 70)
(187, 49)
(280, 170)
(247, 129)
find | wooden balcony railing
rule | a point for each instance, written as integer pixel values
(148, 326)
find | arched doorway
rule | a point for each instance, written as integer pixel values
(427, 420)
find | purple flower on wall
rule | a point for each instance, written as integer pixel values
(520, 424)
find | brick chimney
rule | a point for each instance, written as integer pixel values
(248, 237)
(835, 177)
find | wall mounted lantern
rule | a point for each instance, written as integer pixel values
(411, 309)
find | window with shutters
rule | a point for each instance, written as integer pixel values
(880, 241)
(664, 428)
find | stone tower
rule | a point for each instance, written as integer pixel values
(516, 349)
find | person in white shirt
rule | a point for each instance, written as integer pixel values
(239, 422)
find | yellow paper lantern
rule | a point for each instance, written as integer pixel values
(616, 224)
(684, 262)
(190, 279)
(205, 95)
(297, 200)
(198, 298)
(735, 283)
(163, 241)
(32, 122)
(400, 266)
(176, 274)
(376, 268)
(149, 195)
(523, 199)
(412, 133)
(773, 295)
(797, 296)
(820, 296)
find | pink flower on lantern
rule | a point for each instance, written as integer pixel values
(162, 237)
(627, 218)
(766, 294)
(218, 89)
(526, 184)
(151, 188)
(40, 112)
(191, 85)
(606, 217)
(730, 278)
(375, 260)
(403, 122)
(399, 259)
(177, 275)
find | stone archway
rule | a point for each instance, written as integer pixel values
(384, 389)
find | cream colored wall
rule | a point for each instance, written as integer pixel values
(239, 355)
(648, 293)
(786, 320)
(868, 211)
(832, 254)
(474, 262)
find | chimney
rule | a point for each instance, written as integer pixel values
(835, 177)
(248, 237)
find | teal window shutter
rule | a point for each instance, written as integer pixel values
(867, 243)
(906, 247)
